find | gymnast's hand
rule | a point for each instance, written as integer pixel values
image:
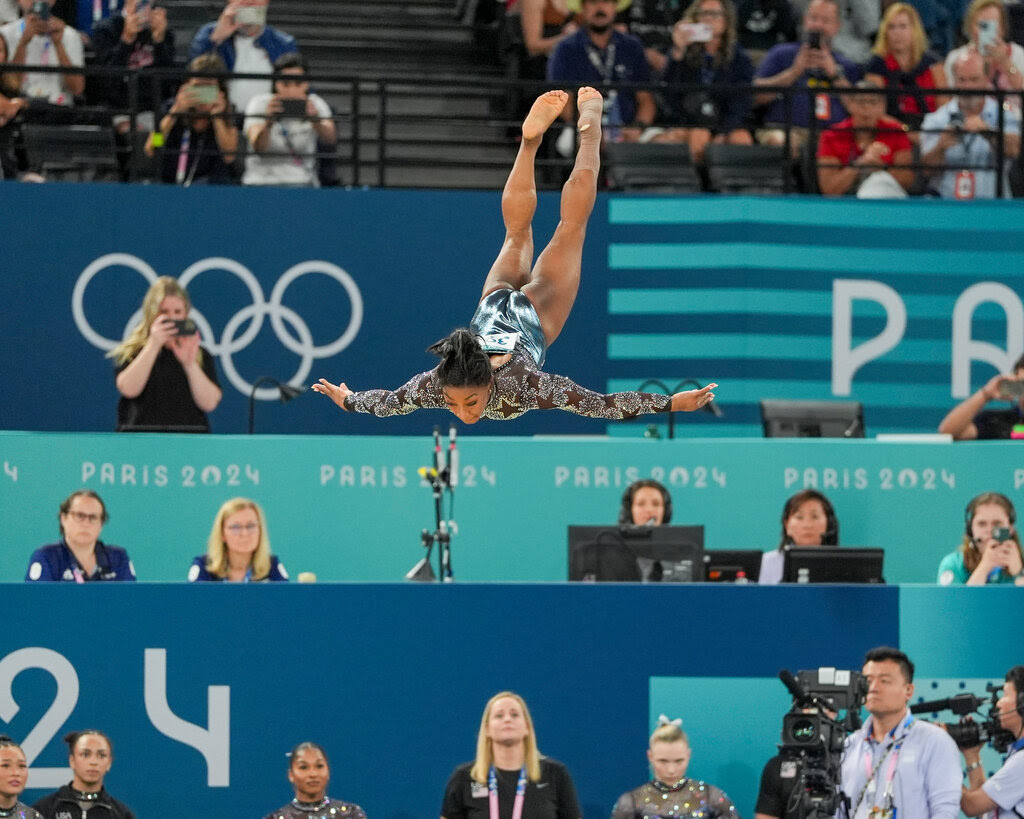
(336, 392)
(689, 400)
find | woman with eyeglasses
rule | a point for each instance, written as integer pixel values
(238, 550)
(80, 556)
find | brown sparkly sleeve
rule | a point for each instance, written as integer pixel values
(559, 392)
(419, 392)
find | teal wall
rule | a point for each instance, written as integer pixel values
(352, 508)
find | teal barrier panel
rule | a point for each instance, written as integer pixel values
(352, 508)
(398, 674)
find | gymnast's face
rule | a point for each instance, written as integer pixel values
(467, 403)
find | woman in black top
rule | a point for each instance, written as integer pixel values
(509, 777)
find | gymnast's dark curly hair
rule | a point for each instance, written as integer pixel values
(463, 361)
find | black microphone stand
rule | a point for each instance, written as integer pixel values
(287, 391)
(440, 479)
(711, 407)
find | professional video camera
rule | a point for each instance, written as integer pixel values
(814, 732)
(968, 732)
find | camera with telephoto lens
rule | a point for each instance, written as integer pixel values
(968, 732)
(814, 734)
(40, 9)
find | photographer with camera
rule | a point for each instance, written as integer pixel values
(969, 420)
(166, 379)
(990, 551)
(959, 145)
(898, 765)
(285, 129)
(1003, 792)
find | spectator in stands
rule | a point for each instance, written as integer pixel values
(13, 779)
(719, 112)
(857, 32)
(959, 141)
(669, 756)
(510, 767)
(90, 757)
(902, 63)
(198, 138)
(600, 55)
(543, 25)
(166, 379)
(44, 39)
(238, 549)
(808, 519)
(246, 44)
(138, 39)
(990, 551)
(80, 555)
(11, 106)
(985, 26)
(763, 24)
(310, 773)
(1003, 793)
(652, 21)
(645, 502)
(812, 64)
(969, 419)
(283, 146)
(868, 153)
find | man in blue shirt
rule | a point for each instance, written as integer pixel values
(812, 64)
(897, 766)
(599, 55)
(960, 138)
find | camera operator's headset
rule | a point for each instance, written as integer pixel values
(626, 508)
(1016, 676)
(991, 497)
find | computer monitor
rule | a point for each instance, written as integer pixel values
(640, 554)
(831, 564)
(812, 419)
(723, 565)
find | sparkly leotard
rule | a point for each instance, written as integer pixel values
(690, 799)
(325, 809)
(519, 384)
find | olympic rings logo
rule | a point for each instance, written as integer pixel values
(301, 343)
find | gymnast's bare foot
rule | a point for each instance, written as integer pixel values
(543, 112)
(591, 107)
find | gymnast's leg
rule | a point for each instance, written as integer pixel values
(556, 276)
(511, 270)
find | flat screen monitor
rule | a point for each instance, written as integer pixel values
(638, 554)
(831, 564)
(723, 565)
(812, 419)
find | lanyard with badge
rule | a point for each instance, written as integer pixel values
(492, 794)
(886, 810)
(606, 68)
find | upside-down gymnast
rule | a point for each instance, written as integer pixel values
(492, 368)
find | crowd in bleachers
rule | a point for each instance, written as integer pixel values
(859, 94)
(836, 96)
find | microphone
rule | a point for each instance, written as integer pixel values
(794, 687)
(960, 704)
(453, 459)
(438, 452)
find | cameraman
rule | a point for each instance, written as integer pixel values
(969, 419)
(897, 765)
(1004, 792)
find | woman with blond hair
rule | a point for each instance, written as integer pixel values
(166, 379)
(670, 792)
(902, 63)
(986, 25)
(990, 550)
(238, 550)
(509, 777)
